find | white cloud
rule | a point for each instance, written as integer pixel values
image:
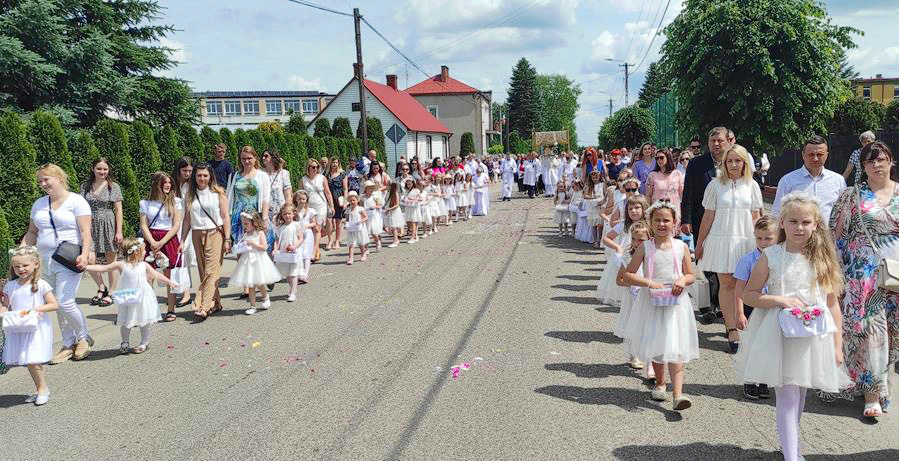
(871, 61)
(178, 50)
(603, 46)
(486, 84)
(300, 83)
(875, 13)
(464, 15)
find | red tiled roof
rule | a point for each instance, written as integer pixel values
(405, 108)
(433, 85)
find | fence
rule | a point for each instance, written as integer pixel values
(664, 110)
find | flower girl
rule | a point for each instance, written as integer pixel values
(254, 269)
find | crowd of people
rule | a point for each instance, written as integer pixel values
(275, 227)
(805, 292)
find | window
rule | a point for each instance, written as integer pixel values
(866, 92)
(310, 106)
(232, 107)
(896, 92)
(251, 107)
(213, 108)
(273, 107)
(430, 147)
(433, 111)
(354, 107)
(291, 105)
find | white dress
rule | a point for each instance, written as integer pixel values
(607, 290)
(462, 191)
(425, 207)
(481, 196)
(731, 235)
(356, 232)
(433, 205)
(305, 219)
(442, 209)
(766, 356)
(394, 218)
(287, 234)
(316, 189)
(254, 267)
(146, 312)
(592, 205)
(584, 231)
(628, 297)
(470, 193)
(562, 215)
(663, 334)
(375, 223)
(575, 205)
(28, 348)
(449, 198)
(412, 207)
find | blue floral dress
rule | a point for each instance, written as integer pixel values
(246, 198)
(870, 314)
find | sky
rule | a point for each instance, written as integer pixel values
(280, 45)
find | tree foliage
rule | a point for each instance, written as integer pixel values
(210, 138)
(144, 155)
(270, 127)
(375, 137)
(466, 144)
(49, 142)
(112, 141)
(169, 147)
(81, 58)
(523, 100)
(18, 183)
(627, 127)
(764, 68)
(557, 95)
(891, 116)
(190, 143)
(296, 124)
(519, 145)
(655, 85)
(6, 240)
(855, 116)
(342, 128)
(84, 151)
(322, 128)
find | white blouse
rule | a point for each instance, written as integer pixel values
(209, 201)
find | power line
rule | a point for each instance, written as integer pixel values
(654, 17)
(323, 8)
(658, 31)
(636, 26)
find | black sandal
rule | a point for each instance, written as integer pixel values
(170, 317)
(100, 295)
(733, 345)
(105, 301)
(190, 299)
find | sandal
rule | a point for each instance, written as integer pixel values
(105, 301)
(140, 349)
(190, 299)
(100, 295)
(124, 348)
(170, 317)
(200, 315)
(872, 410)
(734, 345)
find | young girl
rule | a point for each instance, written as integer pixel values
(440, 203)
(309, 221)
(412, 209)
(29, 295)
(801, 273)
(607, 291)
(561, 216)
(574, 205)
(394, 219)
(290, 241)
(373, 204)
(427, 219)
(667, 334)
(593, 200)
(630, 187)
(469, 191)
(357, 233)
(639, 233)
(462, 201)
(139, 310)
(449, 198)
(254, 269)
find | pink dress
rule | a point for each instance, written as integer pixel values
(669, 187)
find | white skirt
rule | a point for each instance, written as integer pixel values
(624, 314)
(721, 254)
(442, 209)
(254, 268)
(144, 313)
(607, 290)
(584, 232)
(375, 223)
(450, 202)
(662, 334)
(767, 357)
(412, 213)
(30, 348)
(395, 219)
(562, 216)
(434, 208)
(426, 214)
(357, 238)
(463, 201)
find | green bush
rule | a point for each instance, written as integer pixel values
(496, 149)
(144, 154)
(112, 141)
(467, 144)
(321, 149)
(190, 143)
(855, 116)
(210, 139)
(309, 142)
(296, 159)
(375, 135)
(241, 138)
(230, 142)
(270, 127)
(322, 128)
(6, 241)
(84, 152)
(257, 140)
(891, 116)
(18, 183)
(169, 148)
(296, 124)
(49, 142)
(342, 128)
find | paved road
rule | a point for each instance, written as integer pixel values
(360, 368)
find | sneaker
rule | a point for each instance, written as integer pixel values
(291, 298)
(266, 303)
(636, 364)
(682, 403)
(764, 392)
(31, 399)
(393, 245)
(42, 399)
(82, 350)
(659, 394)
(250, 311)
(751, 391)
(64, 355)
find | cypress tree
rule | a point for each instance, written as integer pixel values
(169, 150)
(83, 151)
(257, 140)
(6, 240)
(112, 141)
(342, 128)
(241, 138)
(375, 136)
(466, 144)
(523, 100)
(296, 124)
(18, 183)
(210, 139)
(145, 155)
(322, 128)
(296, 164)
(49, 142)
(309, 141)
(228, 139)
(190, 143)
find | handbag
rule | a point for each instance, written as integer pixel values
(802, 322)
(66, 252)
(288, 258)
(15, 322)
(663, 297)
(887, 269)
(181, 277)
(127, 296)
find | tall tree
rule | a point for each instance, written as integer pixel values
(322, 128)
(230, 142)
(49, 141)
(18, 186)
(190, 142)
(891, 116)
(84, 151)
(296, 124)
(144, 155)
(558, 103)
(210, 138)
(169, 148)
(82, 58)
(341, 128)
(627, 127)
(466, 144)
(523, 100)
(765, 68)
(855, 116)
(375, 137)
(655, 85)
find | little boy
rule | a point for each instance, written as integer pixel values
(765, 235)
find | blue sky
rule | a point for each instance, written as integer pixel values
(279, 45)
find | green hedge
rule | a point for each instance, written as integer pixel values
(18, 184)
(49, 141)
(6, 241)
(145, 153)
(168, 146)
(113, 143)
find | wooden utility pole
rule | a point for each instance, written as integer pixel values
(360, 75)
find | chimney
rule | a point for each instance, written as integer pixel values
(391, 81)
(879, 75)
(444, 73)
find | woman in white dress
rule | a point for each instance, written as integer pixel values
(320, 200)
(308, 218)
(733, 202)
(281, 190)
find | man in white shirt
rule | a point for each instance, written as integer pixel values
(508, 167)
(532, 168)
(813, 178)
(366, 161)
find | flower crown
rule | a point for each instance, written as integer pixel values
(800, 196)
(244, 214)
(663, 203)
(630, 180)
(23, 251)
(137, 246)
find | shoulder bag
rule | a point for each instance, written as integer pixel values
(802, 322)
(887, 269)
(66, 252)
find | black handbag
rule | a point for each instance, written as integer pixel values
(66, 252)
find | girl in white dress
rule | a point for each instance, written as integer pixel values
(561, 201)
(393, 215)
(802, 274)
(440, 203)
(449, 198)
(373, 204)
(309, 220)
(254, 269)
(594, 198)
(639, 233)
(357, 233)
(412, 209)
(469, 191)
(29, 295)
(668, 333)
(575, 205)
(137, 305)
(289, 245)
(462, 200)
(607, 290)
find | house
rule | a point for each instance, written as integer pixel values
(460, 107)
(425, 136)
(882, 90)
(247, 109)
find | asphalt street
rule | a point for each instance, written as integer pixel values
(361, 367)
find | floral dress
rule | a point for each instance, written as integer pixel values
(102, 205)
(870, 314)
(246, 196)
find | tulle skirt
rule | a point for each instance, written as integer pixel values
(142, 313)
(357, 238)
(463, 201)
(375, 223)
(624, 314)
(607, 291)
(412, 213)
(562, 216)
(662, 334)
(254, 268)
(394, 219)
(721, 254)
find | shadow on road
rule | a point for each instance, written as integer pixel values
(706, 451)
(579, 278)
(590, 300)
(592, 370)
(575, 287)
(626, 399)
(585, 336)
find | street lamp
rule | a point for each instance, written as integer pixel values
(626, 65)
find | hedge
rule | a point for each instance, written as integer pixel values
(168, 146)
(342, 128)
(466, 144)
(18, 183)
(210, 139)
(143, 150)
(112, 141)
(6, 241)
(296, 124)
(322, 128)
(84, 151)
(49, 142)
(190, 143)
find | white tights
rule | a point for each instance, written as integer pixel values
(789, 404)
(144, 334)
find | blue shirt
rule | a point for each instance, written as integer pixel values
(745, 266)
(222, 171)
(827, 187)
(641, 172)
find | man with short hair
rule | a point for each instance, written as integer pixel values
(695, 146)
(865, 138)
(366, 161)
(221, 168)
(812, 178)
(532, 168)
(700, 173)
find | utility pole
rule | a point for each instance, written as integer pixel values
(627, 67)
(610, 106)
(360, 75)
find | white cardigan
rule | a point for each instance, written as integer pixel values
(265, 189)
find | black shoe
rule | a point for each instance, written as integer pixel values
(271, 286)
(244, 296)
(764, 392)
(751, 391)
(185, 303)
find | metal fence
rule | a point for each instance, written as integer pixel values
(664, 110)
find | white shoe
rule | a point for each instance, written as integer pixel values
(31, 399)
(291, 298)
(659, 394)
(42, 399)
(250, 311)
(266, 303)
(393, 245)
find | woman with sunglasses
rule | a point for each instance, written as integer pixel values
(665, 182)
(684, 161)
(320, 199)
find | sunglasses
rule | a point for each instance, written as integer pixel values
(685, 159)
(695, 146)
(661, 158)
(630, 189)
(313, 167)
